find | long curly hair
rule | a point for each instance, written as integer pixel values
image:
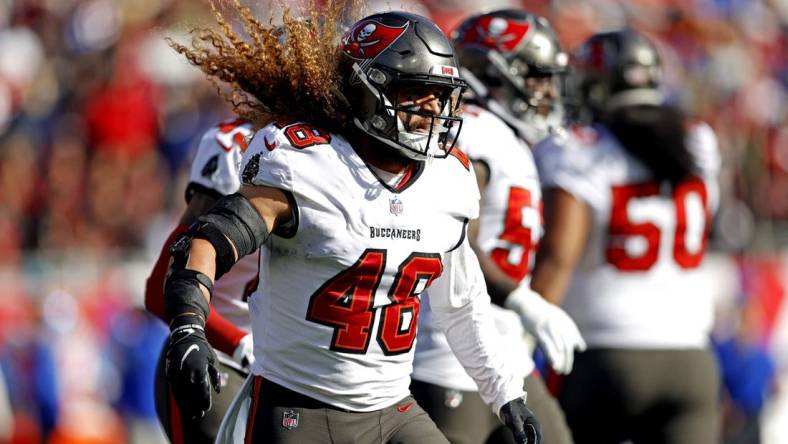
(272, 72)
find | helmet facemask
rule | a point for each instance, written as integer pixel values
(404, 124)
(530, 94)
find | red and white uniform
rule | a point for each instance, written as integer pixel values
(509, 230)
(335, 316)
(214, 171)
(637, 284)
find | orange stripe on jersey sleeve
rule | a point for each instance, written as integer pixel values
(406, 178)
(462, 157)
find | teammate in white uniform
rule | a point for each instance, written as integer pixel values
(364, 221)
(214, 173)
(509, 227)
(628, 206)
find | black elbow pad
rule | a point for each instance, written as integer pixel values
(232, 222)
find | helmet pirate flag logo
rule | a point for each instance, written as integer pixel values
(369, 38)
(497, 33)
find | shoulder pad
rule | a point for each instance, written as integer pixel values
(232, 134)
(484, 133)
(471, 109)
(296, 134)
(702, 144)
(460, 155)
(214, 168)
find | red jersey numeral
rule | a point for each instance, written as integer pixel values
(398, 320)
(621, 228)
(346, 301)
(516, 234)
(462, 157)
(303, 136)
(681, 254)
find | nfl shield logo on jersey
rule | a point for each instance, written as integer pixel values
(290, 419)
(395, 206)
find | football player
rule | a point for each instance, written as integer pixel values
(512, 56)
(628, 205)
(514, 65)
(214, 173)
(355, 223)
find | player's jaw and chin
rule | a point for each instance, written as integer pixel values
(421, 136)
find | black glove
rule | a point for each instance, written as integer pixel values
(190, 366)
(521, 422)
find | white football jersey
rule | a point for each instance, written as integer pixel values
(637, 284)
(335, 316)
(214, 171)
(509, 230)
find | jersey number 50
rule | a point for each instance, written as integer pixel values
(346, 302)
(621, 228)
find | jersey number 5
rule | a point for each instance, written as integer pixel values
(346, 302)
(517, 233)
(621, 228)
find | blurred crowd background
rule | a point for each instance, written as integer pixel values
(98, 118)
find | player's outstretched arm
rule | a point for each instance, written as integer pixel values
(235, 226)
(221, 333)
(556, 332)
(461, 308)
(566, 222)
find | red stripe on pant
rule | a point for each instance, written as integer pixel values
(176, 425)
(258, 381)
(554, 383)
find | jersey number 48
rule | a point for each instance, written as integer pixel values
(346, 302)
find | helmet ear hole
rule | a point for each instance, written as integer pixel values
(377, 77)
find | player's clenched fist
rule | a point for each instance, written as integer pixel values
(191, 366)
(190, 362)
(521, 421)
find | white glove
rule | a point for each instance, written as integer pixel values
(244, 352)
(553, 328)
